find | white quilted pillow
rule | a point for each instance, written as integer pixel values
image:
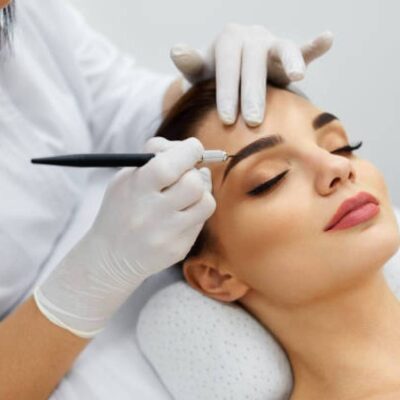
(203, 349)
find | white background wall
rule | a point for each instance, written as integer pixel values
(358, 80)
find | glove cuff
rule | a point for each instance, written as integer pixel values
(45, 308)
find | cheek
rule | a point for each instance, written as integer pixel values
(386, 230)
(267, 245)
(371, 178)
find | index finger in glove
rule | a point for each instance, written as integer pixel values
(168, 166)
(158, 144)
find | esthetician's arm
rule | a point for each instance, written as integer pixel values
(34, 354)
(127, 243)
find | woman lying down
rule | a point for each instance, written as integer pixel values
(277, 245)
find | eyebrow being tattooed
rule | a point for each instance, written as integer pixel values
(272, 141)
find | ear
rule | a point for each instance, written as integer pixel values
(202, 274)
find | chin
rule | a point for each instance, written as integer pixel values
(380, 238)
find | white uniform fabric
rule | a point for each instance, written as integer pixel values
(204, 349)
(65, 89)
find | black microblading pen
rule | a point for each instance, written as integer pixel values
(117, 159)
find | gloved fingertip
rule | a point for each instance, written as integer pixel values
(253, 117)
(327, 35)
(228, 116)
(179, 49)
(323, 42)
(228, 119)
(296, 75)
(189, 61)
(253, 121)
(253, 108)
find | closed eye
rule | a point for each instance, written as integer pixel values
(264, 187)
(267, 185)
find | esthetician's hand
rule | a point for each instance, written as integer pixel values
(250, 55)
(148, 220)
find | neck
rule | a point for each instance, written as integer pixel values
(343, 347)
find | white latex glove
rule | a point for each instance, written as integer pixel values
(250, 55)
(148, 220)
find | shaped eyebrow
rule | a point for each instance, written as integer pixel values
(268, 142)
(322, 119)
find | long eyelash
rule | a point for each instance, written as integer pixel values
(267, 185)
(349, 148)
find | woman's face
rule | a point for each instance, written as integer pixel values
(275, 242)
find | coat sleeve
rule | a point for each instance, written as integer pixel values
(125, 99)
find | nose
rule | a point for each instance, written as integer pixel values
(333, 171)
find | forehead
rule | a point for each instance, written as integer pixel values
(287, 114)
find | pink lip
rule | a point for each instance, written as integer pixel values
(353, 211)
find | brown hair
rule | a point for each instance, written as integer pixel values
(183, 121)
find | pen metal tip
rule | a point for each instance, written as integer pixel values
(215, 156)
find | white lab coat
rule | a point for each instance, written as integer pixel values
(65, 89)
